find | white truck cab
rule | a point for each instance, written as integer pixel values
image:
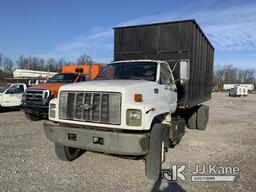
(142, 89)
(11, 95)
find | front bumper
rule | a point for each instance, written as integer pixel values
(35, 109)
(110, 142)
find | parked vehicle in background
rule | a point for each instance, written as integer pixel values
(232, 92)
(36, 98)
(227, 87)
(31, 77)
(140, 103)
(28, 77)
(11, 95)
(25, 73)
(238, 91)
(91, 71)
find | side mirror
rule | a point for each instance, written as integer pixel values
(184, 70)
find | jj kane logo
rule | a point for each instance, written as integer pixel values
(210, 172)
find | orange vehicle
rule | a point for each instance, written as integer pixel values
(90, 70)
(36, 99)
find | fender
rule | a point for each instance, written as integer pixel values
(152, 111)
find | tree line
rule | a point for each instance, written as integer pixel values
(7, 65)
(38, 63)
(229, 74)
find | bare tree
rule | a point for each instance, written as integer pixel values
(52, 65)
(84, 59)
(246, 75)
(6, 67)
(218, 78)
(21, 62)
(232, 75)
(1, 58)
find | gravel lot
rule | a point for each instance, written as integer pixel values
(28, 161)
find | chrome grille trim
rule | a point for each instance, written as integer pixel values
(99, 107)
(36, 96)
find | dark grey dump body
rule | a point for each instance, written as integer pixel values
(171, 41)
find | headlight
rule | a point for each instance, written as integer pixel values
(53, 106)
(52, 110)
(133, 117)
(46, 94)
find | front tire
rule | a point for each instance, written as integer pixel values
(153, 160)
(67, 153)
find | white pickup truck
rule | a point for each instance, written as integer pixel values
(137, 107)
(11, 95)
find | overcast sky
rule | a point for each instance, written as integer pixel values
(66, 28)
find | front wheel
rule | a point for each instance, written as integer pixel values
(153, 160)
(67, 153)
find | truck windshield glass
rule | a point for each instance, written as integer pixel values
(63, 78)
(2, 89)
(129, 70)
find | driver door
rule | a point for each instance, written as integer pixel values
(168, 91)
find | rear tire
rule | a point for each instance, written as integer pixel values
(207, 114)
(32, 117)
(67, 153)
(192, 121)
(153, 160)
(202, 117)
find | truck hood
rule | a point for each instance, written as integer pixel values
(53, 87)
(108, 85)
(149, 90)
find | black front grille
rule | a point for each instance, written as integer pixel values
(35, 96)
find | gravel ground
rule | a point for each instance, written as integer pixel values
(28, 161)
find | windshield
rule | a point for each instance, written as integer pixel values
(2, 89)
(129, 70)
(63, 78)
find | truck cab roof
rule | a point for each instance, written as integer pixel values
(139, 60)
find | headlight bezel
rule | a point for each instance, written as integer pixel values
(52, 110)
(134, 117)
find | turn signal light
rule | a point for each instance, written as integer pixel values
(138, 97)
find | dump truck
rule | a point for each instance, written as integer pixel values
(36, 99)
(140, 104)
